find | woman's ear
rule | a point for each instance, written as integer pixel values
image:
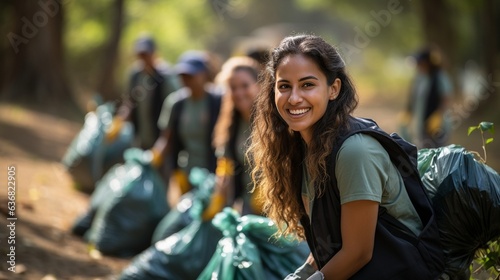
(334, 89)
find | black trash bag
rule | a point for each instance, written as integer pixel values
(177, 219)
(184, 254)
(89, 156)
(249, 250)
(466, 199)
(83, 223)
(126, 207)
(236, 256)
(180, 216)
(280, 256)
(102, 193)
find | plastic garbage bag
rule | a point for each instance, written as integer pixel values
(89, 155)
(248, 250)
(280, 256)
(180, 216)
(236, 256)
(184, 254)
(466, 199)
(127, 205)
(177, 219)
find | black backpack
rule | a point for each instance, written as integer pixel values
(398, 253)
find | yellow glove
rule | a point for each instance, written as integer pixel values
(216, 205)
(114, 129)
(182, 181)
(225, 167)
(434, 123)
(157, 159)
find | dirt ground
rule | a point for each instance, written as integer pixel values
(47, 204)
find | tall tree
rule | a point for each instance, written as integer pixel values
(437, 21)
(38, 73)
(107, 84)
(489, 18)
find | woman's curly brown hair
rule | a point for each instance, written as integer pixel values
(277, 153)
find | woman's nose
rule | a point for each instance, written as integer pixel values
(295, 97)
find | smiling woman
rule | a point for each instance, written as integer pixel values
(327, 176)
(304, 90)
(300, 93)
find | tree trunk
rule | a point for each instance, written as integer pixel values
(107, 84)
(6, 11)
(437, 22)
(490, 56)
(38, 74)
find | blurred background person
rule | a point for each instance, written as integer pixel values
(151, 81)
(426, 122)
(238, 78)
(187, 122)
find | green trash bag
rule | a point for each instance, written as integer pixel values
(180, 216)
(248, 250)
(184, 254)
(126, 206)
(177, 219)
(89, 155)
(236, 256)
(280, 256)
(466, 200)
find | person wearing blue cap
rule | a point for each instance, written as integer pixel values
(187, 121)
(151, 81)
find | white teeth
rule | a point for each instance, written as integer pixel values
(299, 111)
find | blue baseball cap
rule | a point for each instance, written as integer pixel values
(192, 63)
(144, 44)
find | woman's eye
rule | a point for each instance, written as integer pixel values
(308, 85)
(284, 86)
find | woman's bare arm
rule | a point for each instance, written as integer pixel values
(358, 222)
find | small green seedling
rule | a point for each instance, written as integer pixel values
(487, 258)
(483, 127)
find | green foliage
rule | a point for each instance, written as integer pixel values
(488, 259)
(176, 25)
(86, 25)
(483, 127)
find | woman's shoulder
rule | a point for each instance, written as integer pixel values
(359, 147)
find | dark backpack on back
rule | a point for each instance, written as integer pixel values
(398, 253)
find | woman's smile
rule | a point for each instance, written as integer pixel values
(298, 112)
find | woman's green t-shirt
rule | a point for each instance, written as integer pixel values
(364, 171)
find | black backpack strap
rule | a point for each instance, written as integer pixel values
(403, 156)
